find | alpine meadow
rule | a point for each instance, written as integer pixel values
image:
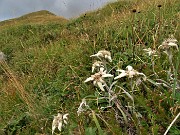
(112, 71)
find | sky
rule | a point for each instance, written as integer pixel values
(65, 8)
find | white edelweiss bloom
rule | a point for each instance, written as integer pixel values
(2, 56)
(103, 54)
(96, 64)
(58, 122)
(97, 78)
(170, 42)
(82, 107)
(130, 72)
(150, 52)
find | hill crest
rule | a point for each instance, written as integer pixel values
(38, 17)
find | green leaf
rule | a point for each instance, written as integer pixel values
(100, 131)
(90, 131)
(153, 82)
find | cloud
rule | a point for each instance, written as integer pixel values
(65, 8)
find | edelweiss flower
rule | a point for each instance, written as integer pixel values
(103, 54)
(58, 121)
(96, 64)
(170, 42)
(97, 78)
(150, 52)
(82, 107)
(2, 56)
(130, 72)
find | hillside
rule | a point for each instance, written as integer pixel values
(133, 89)
(39, 17)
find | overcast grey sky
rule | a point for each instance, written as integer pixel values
(66, 8)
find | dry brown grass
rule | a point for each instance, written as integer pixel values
(13, 86)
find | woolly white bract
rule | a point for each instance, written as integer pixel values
(170, 42)
(82, 107)
(59, 121)
(103, 54)
(129, 72)
(96, 64)
(150, 52)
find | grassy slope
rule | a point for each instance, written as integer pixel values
(47, 64)
(39, 17)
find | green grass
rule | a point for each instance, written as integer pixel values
(47, 64)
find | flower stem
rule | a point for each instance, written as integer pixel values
(172, 123)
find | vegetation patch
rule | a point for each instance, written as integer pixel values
(111, 71)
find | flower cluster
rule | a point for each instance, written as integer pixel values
(109, 87)
(98, 78)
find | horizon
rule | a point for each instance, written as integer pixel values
(64, 8)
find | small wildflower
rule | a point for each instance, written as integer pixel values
(170, 42)
(97, 78)
(103, 54)
(96, 64)
(130, 72)
(58, 121)
(150, 52)
(82, 107)
(166, 45)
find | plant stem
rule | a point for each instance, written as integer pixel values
(172, 123)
